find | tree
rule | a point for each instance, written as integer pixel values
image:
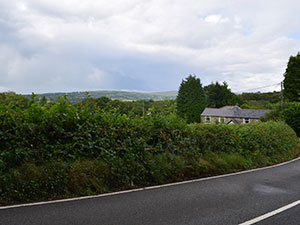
(191, 99)
(102, 102)
(219, 95)
(11, 98)
(291, 116)
(291, 82)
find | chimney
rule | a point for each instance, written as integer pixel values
(236, 109)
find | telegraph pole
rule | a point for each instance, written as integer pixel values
(143, 107)
(281, 90)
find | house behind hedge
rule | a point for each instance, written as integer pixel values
(231, 114)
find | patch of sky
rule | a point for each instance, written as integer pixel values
(294, 35)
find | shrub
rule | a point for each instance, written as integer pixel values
(291, 116)
(32, 182)
(60, 149)
(88, 177)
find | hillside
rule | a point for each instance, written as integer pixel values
(257, 100)
(119, 95)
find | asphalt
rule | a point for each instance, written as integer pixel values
(291, 216)
(226, 200)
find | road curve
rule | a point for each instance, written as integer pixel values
(233, 199)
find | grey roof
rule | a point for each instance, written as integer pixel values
(234, 112)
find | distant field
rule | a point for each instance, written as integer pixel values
(120, 95)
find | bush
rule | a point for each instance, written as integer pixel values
(88, 177)
(32, 182)
(61, 150)
(291, 116)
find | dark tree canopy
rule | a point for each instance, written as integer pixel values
(272, 97)
(102, 101)
(191, 99)
(219, 95)
(291, 116)
(291, 80)
(12, 98)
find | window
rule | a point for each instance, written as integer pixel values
(221, 119)
(246, 120)
(207, 119)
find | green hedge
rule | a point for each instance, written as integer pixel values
(291, 115)
(62, 150)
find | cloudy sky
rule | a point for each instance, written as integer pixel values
(145, 45)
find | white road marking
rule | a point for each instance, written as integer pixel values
(145, 188)
(267, 215)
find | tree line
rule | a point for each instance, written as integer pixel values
(193, 98)
(216, 95)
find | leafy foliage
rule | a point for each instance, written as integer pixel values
(191, 99)
(275, 114)
(288, 112)
(15, 100)
(60, 149)
(291, 81)
(219, 95)
(258, 100)
(291, 116)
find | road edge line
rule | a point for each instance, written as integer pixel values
(272, 213)
(146, 188)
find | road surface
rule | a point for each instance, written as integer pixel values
(245, 198)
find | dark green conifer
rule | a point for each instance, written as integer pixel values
(291, 80)
(191, 99)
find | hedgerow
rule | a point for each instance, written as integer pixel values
(60, 149)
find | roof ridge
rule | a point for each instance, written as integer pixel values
(256, 109)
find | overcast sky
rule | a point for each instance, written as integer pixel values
(145, 45)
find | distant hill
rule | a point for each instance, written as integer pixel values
(171, 94)
(119, 95)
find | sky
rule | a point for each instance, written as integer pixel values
(145, 45)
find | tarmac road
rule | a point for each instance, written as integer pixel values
(233, 199)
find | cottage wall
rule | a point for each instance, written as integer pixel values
(214, 119)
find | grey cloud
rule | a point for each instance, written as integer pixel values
(138, 45)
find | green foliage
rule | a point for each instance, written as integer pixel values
(258, 100)
(220, 95)
(32, 182)
(275, 114)
(246, 106)
(268, 138)
(102, 102)
(87, 177)
(291, 81)
(130, 108)
(291, 116)
(13, 99)
(288, 112)
(59, 149)
(191, 99)
(272, 97)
